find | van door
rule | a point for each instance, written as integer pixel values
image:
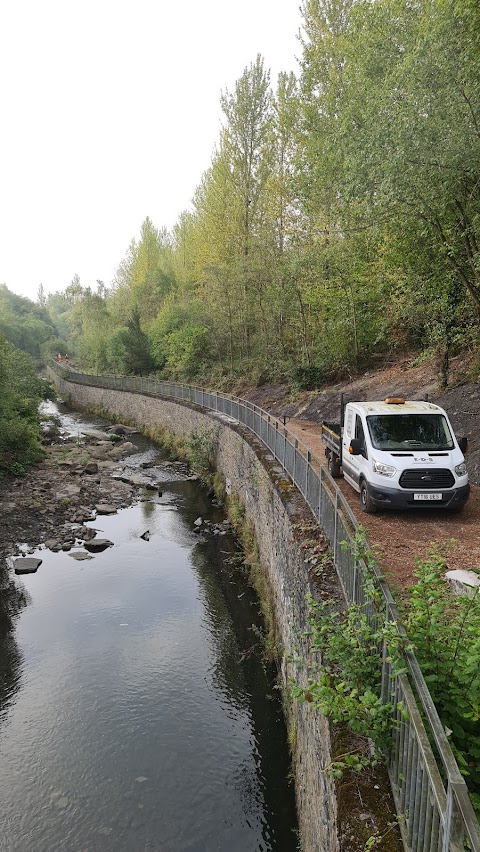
(353, 466)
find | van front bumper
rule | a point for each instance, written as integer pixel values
(398, 498)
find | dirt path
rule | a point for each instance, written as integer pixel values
(400, 537)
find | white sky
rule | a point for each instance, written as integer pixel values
(110, 111)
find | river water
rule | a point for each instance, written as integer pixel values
(136, 711)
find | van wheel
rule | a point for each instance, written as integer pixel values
(366, 502)
(333, 466)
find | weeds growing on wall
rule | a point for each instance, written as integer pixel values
(345, 675)
(173, 444)
(201, 450)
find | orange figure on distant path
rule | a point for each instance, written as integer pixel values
(59, 357)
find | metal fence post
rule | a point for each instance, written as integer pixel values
(385, 664)
(335, 529)
(453, 838)
(295, 450)
(307, 471)
(320, 498)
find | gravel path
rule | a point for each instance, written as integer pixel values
(401, 537)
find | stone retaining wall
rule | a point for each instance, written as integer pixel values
(251, 476)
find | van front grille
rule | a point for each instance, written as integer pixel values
(426, 479)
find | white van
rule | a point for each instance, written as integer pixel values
(401, 454)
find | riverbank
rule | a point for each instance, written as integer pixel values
(81, 477)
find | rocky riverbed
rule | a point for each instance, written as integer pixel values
(82, 477)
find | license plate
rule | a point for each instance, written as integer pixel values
(427, 496)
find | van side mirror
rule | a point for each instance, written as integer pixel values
(355, 447)
(463, 443)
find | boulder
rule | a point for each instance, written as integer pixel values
(97, 544)
(105, 509)
(132, 479)
(91, 467)
(26, 565)
(80, 555)
(123, 449)
(69, 491)
(99, 453)
(85, 533)
(95, 434)
(120, 429)
(464, 582)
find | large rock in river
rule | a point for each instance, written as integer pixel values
(26, 565)
(97, 544)
(105, 509)
(120, 429)
(80, 555)
(123, 449)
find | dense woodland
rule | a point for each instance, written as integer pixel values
(338, 223)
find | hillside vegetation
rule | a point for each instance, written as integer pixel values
(337, 223)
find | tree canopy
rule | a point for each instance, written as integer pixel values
(338, 220)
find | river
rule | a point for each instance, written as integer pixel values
(136, 709)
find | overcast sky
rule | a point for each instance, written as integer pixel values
(110, 113)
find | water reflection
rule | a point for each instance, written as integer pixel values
(13, 599)
(148, 509)
(138, 714)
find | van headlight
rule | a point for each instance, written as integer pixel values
(461, 469)
(384, 469)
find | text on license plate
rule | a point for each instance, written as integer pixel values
(427, 496)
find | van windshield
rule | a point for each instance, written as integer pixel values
(409, 431)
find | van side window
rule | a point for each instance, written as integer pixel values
(360, 434)
(349, 423)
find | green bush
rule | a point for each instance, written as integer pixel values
(20, 394)
(445, 630)
(345, 679)
(201, 450)
(309, 376)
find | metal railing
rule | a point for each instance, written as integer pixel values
(436, 813)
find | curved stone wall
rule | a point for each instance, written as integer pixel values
(274, 513)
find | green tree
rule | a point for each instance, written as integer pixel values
(128, 349)
(245, 154)
(20, 394)
(25, 324)
(89, 329)
(145, 276)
